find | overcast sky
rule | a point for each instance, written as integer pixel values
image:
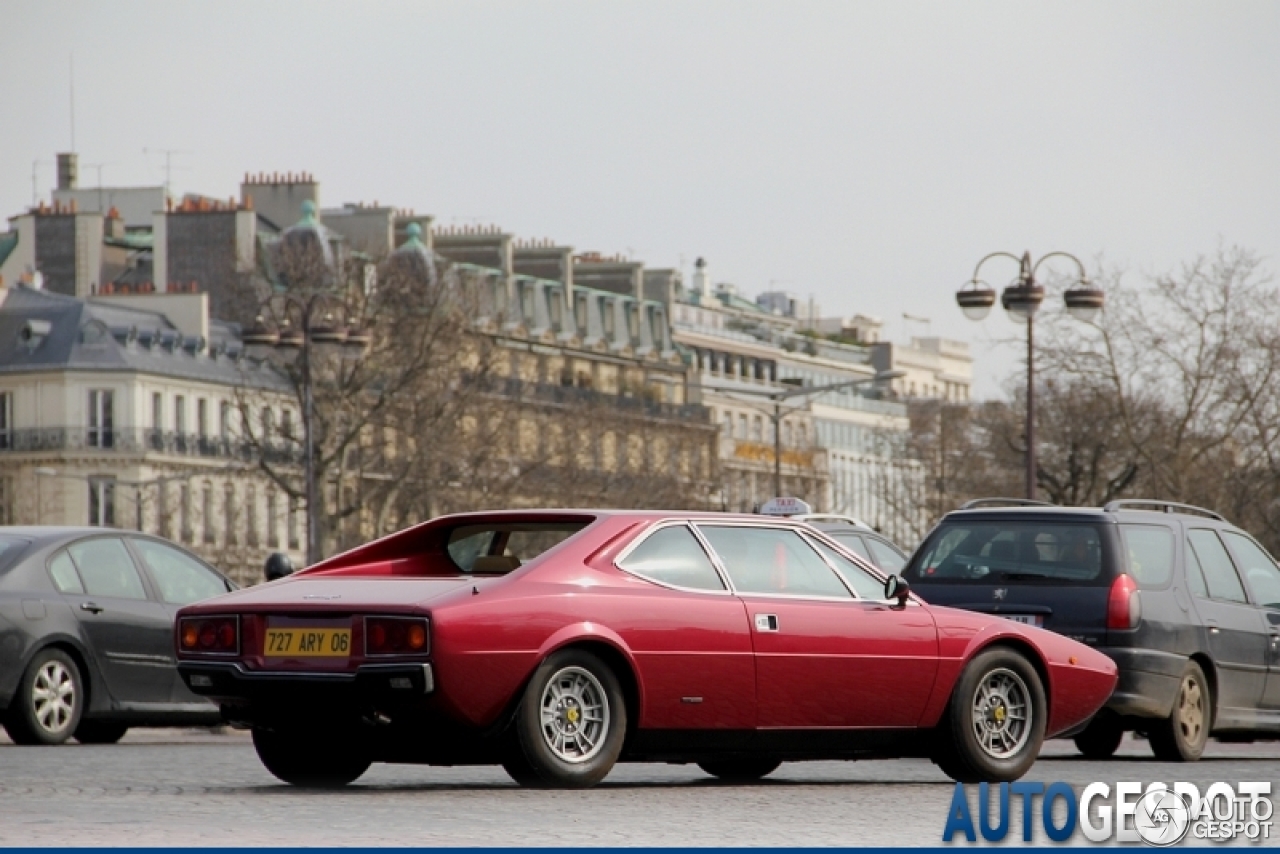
(866, 154)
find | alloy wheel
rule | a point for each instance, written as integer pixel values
(1001, 713)
(575, 714)
(53, 697)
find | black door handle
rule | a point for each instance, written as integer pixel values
(91, 607)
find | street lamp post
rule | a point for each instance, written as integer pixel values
(778, 412)
(1022, 300)
(303, 340)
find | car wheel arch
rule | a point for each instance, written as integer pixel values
(1028, 651)
(90, 680)
(610, 648)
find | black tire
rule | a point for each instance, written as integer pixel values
(588, 693)
(1101, 738)
(100, 732)
(519, 769)
(743, 770)
(314, 763)
(1182, 736)
(1007, 688)
(50, 699)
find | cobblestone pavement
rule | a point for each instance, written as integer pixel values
(190, 787)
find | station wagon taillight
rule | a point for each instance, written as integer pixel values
(216, 635)
(1124, 607)
(395, 636)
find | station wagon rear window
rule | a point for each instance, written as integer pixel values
(999, 552)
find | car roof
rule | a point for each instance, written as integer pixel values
(1095, 514)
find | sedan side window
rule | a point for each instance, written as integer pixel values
(64, 574)
(866, 585)
(773, 561)
(107, 568)
(1259, 569)
(1219, 573)
(181, 579)
(673, 556)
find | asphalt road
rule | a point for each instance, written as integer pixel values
(190, 787)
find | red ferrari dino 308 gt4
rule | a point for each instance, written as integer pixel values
(560, 642)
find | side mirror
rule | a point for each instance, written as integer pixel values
(896, 587)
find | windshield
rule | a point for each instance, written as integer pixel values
(996, 552)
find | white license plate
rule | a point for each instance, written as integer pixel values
(1026, 619)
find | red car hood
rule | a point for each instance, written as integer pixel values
(329, 593)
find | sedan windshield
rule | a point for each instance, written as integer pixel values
(1009, 551)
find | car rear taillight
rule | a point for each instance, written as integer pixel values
(215, 635)
(395, 636)
(1124, 606)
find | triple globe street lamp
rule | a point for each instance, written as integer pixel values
(1022, 299)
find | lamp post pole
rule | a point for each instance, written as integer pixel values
(1022, 300)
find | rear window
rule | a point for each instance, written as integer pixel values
(997, 552)
(499, 548)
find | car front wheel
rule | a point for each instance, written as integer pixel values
(317, 763)
(50, 699)
(994, 725)
(571, 722)
(1182, 736)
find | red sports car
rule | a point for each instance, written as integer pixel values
(557, 643)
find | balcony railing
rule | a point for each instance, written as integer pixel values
(136, 441)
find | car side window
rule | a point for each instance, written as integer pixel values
(180, 578)
(672, 555)
(64, 575)
(1219, 573)
(853, 543)
(866, 585)
(107, 568)
(1259, 569)
(772, 561)
(1148, 551)
(1195, 575)
(884, 557)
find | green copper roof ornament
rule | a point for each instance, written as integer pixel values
(308, 213)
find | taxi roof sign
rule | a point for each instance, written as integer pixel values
(785, 506)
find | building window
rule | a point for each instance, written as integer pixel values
(273, 524)
(184, 513)
(101, 419)
(6, 421)
(229, 513)
(286, 423)
(6, 502)
(224, 419)
(580, 313)
(102, 501)
(202, 417)
(293, 523)
(206, 511)
(251, 514)
(268, 423)
(609, 318)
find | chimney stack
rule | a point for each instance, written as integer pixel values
(68, 171)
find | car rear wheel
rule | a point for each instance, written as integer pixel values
(1101, 738)
(1182, 736)
(100, 732)
(994, 725)
(49, 701)
(572, 721)
(740, 770)
(316, 763)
